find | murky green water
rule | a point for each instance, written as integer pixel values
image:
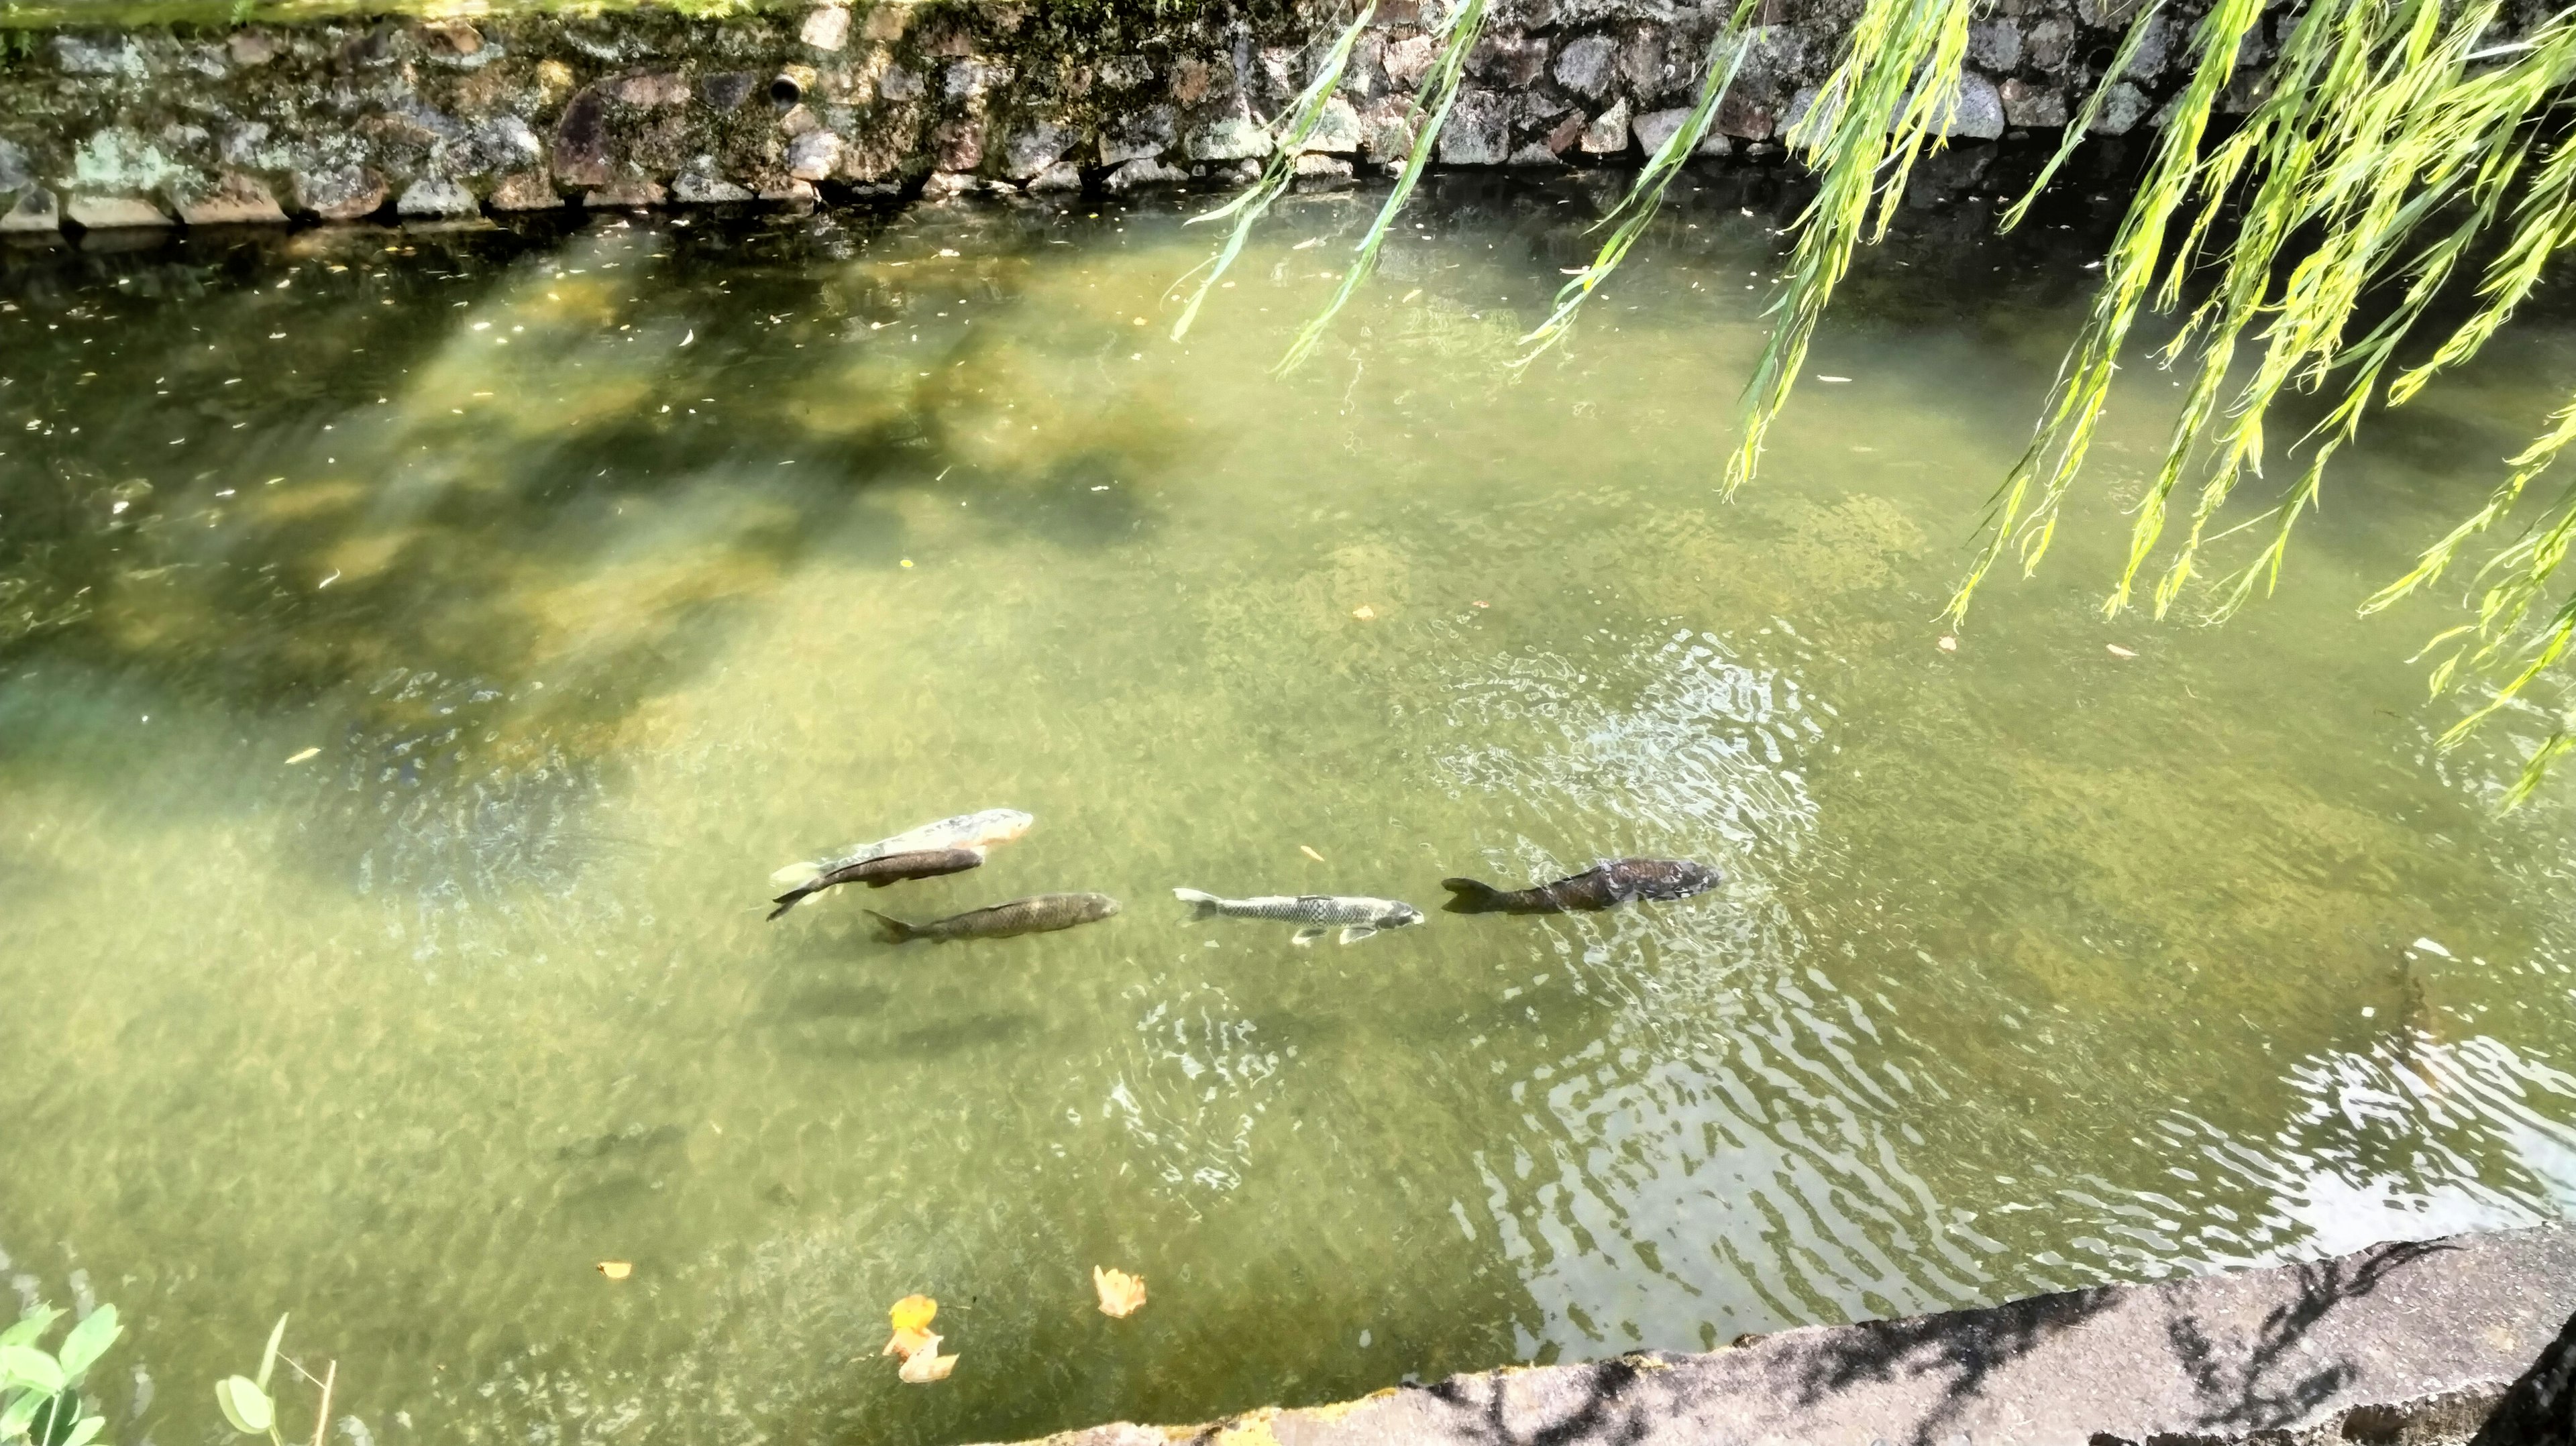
(608, 570)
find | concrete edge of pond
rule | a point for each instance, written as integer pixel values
(2449, 1340)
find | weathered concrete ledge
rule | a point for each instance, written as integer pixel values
(2458, 1340)
(349, 119)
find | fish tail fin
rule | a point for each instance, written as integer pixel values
(794, 874)
(788, 900)
(1466, 896)
(1202, 905)
(893, 931)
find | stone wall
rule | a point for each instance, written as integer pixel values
(346, 119)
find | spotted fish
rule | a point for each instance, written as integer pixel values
(1358, 916)
(1602, 886)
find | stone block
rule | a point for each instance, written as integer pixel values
(1745, 118)
(627, 195)
(1062, 176)
(811, 156)
(1407, 61)
(249, 48)
(725, 91)
(525, 191)
(2122, 109)
(972, 80)
(339, 193)
(1386, 130)
(1646, 63)
(2040, 106)
(1034, 147)
(16, 174)
(696, 189)
(1535, 154)
(2047, 42)
(1995, 45)
(1230, 138)
(1977, 112)
(826, 27)
(1144, 172)
(2154, 47)
(1584, 65)
(232, 200)
(581, 140)
(1607, 135)
(112, 213)
(1337, 131)
(1507, 60)
(653, 89)
(34, 210)
(503, 143)
(1479, 130)
(957, 145)
(437, 196)
(1315, 166)
(451, 39)
(1142, 136)
(1655, 127)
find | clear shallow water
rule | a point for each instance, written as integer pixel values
(608, 570)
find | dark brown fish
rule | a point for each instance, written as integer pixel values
(1036, 915)
(882, 870)
(1599, 887)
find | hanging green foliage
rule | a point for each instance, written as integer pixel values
(2390, 139)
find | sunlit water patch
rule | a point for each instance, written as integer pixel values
(417, 649)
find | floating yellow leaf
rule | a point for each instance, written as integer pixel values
(913, 1313)
(1364, 613)
(2119, 652)
(926, 1365)
(307, 753)
(1310, 853)
(617, 1269)
(1121, 1294)
(908, 1343)
(1949, 644)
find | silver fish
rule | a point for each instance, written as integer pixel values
(965, 831)
(1358, 915)
(1039, 914)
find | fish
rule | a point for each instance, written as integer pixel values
(965, 831)
(1602, 886)
(1038, 914)
(882, 870)
(1359, 916)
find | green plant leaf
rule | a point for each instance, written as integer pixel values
(55, 1421)
(21, 1409)
(268, 1358)
(30, 1326)
(28, 1366)
(245, 1405)
(85, 1431)
(88, 1341)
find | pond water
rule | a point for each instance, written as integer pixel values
(418, 648)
